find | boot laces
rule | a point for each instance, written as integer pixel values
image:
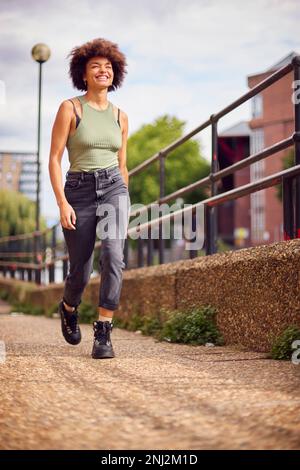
(102, 331)
(72, 320)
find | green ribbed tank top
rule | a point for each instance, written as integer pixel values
(96, 141)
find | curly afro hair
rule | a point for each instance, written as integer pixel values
(98, 47)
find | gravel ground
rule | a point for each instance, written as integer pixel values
(150, 396)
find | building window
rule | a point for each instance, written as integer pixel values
(257, 106)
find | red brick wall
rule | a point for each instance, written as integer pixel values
(278, 123)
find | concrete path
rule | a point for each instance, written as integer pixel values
(150, 396)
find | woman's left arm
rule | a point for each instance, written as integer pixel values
(122, 153)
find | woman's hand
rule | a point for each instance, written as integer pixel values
(67, 216)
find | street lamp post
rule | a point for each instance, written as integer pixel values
(40, 53)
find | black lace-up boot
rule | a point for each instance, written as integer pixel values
(69, 324)
(102, 347)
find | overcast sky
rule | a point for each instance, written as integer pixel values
(185, 58)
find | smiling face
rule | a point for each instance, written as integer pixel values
(99, 73)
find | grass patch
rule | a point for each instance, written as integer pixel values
(282, 345)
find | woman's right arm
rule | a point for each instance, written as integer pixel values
(60, 132)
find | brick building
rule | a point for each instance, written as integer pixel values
(257, 219)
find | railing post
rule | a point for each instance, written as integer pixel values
(211, 212)
(161, 242)
(51, 269)
(38, 276)
(296, 64)
(288, 210)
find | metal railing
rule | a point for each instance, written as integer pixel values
(289, 178)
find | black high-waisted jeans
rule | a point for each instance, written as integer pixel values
(101, 203)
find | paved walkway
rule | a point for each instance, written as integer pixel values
(150, 396)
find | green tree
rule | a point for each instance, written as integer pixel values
(17, 213)
(182, 166)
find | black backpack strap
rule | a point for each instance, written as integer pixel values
(77, 117)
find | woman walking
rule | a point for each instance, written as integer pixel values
(95, 134)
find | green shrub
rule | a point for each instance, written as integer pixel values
(197, 326)
(282, 346)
